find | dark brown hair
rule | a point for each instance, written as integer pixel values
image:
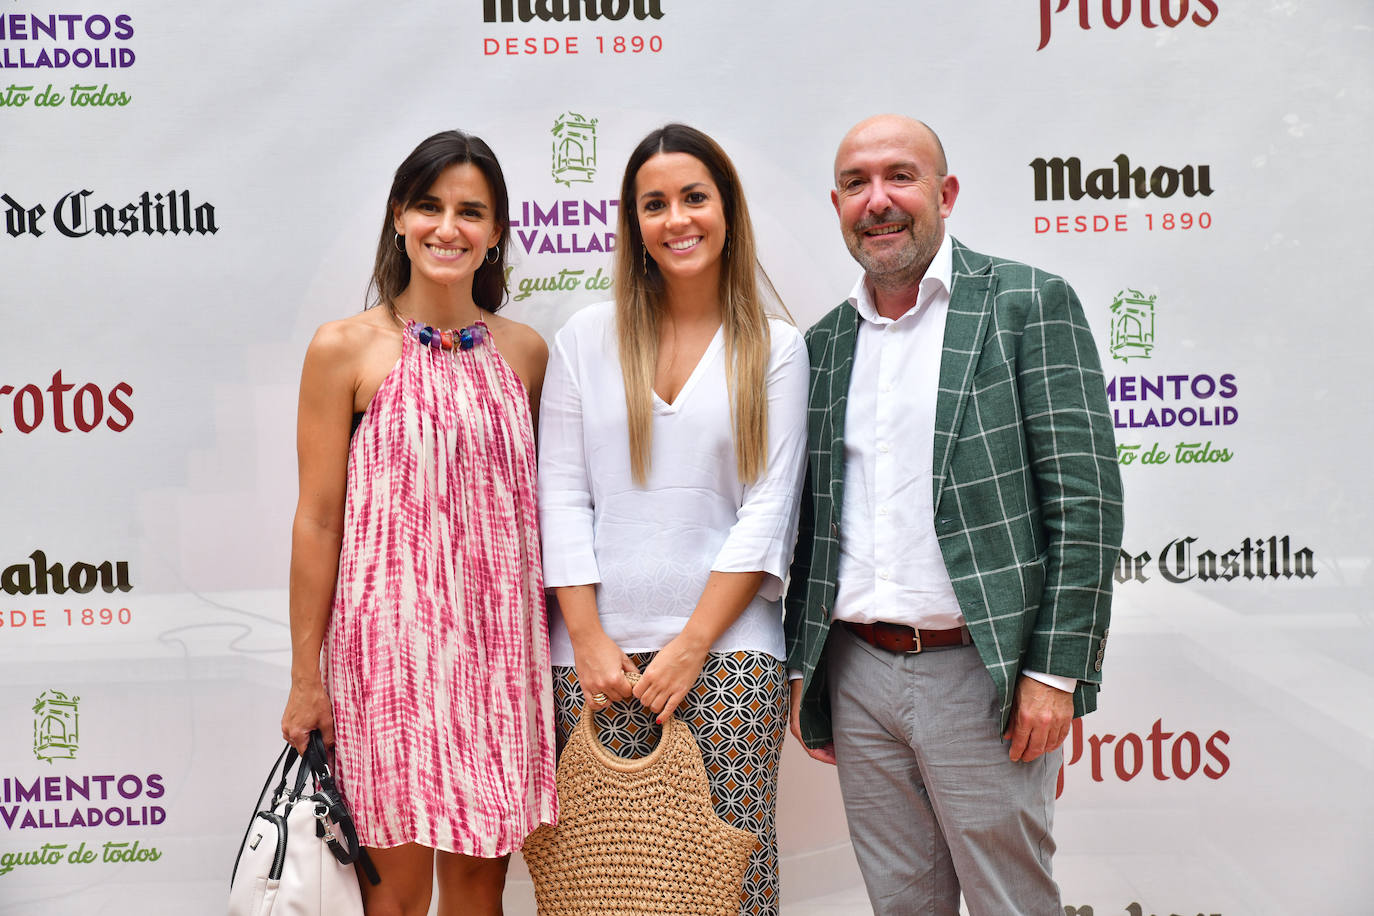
(415, 176)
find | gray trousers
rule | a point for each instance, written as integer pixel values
(935, 805)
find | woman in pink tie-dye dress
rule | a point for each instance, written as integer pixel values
(415, 564)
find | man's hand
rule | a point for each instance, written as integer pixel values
(1040, 719)
(825, 753)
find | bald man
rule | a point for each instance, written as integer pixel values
(951, 589)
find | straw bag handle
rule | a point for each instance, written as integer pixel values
(633, 677)
(607, 758)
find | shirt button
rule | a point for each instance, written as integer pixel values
(885, 574)
(882, 510)
(883, 447)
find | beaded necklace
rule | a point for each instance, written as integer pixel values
(456, 339)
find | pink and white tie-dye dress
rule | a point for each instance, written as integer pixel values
(437, 657)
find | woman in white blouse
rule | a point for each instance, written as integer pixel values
(672, 446)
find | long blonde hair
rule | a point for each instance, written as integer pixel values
(639, 293)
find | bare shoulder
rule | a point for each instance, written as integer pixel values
(525, 351)
(353, 355)
(351, 337)
(515, 335)
(520, 344)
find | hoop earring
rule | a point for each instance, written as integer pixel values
(493, 255)
(727, 246)
(400, 242)
(644, 258)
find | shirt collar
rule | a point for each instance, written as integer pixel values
(939, 275)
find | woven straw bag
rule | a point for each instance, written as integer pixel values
(636, 837)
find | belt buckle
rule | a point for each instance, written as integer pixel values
(916, 649)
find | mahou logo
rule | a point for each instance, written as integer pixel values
(573, 10)
(1115, 13)
(39, 577)
(1058, 176)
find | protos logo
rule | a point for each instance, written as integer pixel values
(1158, 754)
(1116, 13)
(66, 411)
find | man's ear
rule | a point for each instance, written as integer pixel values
(949, 190)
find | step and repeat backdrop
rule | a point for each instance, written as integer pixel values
(188, 191)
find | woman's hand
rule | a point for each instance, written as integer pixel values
(601, 669)
(671, 675)
(307, 708)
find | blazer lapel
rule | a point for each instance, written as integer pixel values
(840, 366)
(970, 307)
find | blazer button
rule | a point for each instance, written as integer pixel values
(834, 529)
(1098, 665)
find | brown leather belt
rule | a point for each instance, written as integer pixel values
(896, 637)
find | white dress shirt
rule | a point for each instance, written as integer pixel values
(891, 568)
(650, 549)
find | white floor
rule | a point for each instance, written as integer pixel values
(851, 902)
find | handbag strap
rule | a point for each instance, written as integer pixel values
(287, 751)
(330, 808)
(318, 760)
(331, 812)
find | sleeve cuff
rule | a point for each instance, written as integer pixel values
(1057, 681)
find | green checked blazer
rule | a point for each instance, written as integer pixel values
(1027, 490)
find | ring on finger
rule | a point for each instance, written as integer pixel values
(599, 699)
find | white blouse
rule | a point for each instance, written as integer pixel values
(649, 550)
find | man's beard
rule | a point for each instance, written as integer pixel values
(904, 264)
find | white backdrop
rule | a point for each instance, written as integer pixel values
(1228, 769)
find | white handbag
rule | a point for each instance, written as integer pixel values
(297, 855)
